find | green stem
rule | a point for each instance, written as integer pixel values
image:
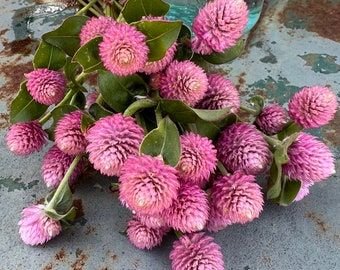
(141, 122)
(249, 110)
(272, 141)
(139, 104)
(87, 7)
(222, 169)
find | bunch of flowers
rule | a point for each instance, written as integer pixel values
(172, 133)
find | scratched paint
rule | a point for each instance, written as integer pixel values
(16, 184)
(322, 63)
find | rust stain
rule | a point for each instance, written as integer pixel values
(322, 226)
(89, 230)
(68, 3)
(48, 267)
(330, 131)
(78, 205)
(23, 47)
(80, 262)
(61, 255)
(240, 81)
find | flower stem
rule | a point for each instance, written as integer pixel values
(139, 104)
(87, 7)
(249, 110)
(272, 141)
(222, 169)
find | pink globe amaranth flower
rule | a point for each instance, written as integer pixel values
(123, 49)
(95, 27)
(196, 251)
(184, 81)
(220, 23)
(237, 197)
(310, 160)
(46, 86)
(91, 98)
(155, 80)
(144, 237)
(313, 107)
(199, 46)
(111, 140)
(272, 119)
(55, 165)
(242, 147)
(303, 192)
(147, 185)
(216, 221)
(221, 93)
(152, 221)
(25, 138)
(36, 227)
(198, 159)
(68, 134)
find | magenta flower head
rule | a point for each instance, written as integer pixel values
(55, 165)
(25, 138)
(123, 49)
(111, 140)
(272, 119)
(68, 135)
(91, 98)
(95, 27)
(242, 147)
(198, 159)
(36, 227)
(184, 81)
(221, 93)
(199, 46)
(196, 251)
(310, 160)
(46, 86)
(152, 221)
(220, 23)
(237, 197)
(303, 192)
(147, 185)
(313, 107)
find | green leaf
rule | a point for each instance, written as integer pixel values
(98, 111)
(66, 36)
(24, 108)
(163, 141)
(289, 129)
(71, 69)
(183, 50)
(48, 56)
(86, 120)
(289, 190)
(274, 181)
(78, 100)
(59, 207)
(257, 102)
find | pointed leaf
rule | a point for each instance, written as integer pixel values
(48, 56)
(290, 188)
(183, 51)
(86, 120)
(274, 181)
(71, 69)
(289, 129)
(98, 111)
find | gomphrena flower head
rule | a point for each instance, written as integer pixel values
(184, 81)
(310, 160)
(237, 197)
(220, 23)
(55, 165)
(68, 134)
(91, 98)
(216, 221)
(313, 107)
(95, 27)
(155, 80)
(200, 46)
(196, 251)
(242, 147)
(111, 140)
(123, 49)
(303, 192)
(152, 221)
(147, 185)
(25, 138)
(46, 86)
(198, 159)
(221, 93)
(272, 119)
(36, 227)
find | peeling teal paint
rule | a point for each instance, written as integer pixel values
(16, 184)
(322, 63)
(271, 59)
(293, 22)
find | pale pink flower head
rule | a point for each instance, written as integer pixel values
(111, 140)
(220, 23)
(184, 81)
(123, 49)
(216, 221)
(313, 107)
(237, 197)
(25, 138)
(36, 227)
(196, 251)
(68, 134)
(199, 46)
(242, 147)
(221, 93)
(198, 159)
(155, 80)
(147, 185)
(272, 119)
(46, 86)
(152, 221)
(91, 98)
(303, 192)
(310, 160)
(95, 27)
(55, 165)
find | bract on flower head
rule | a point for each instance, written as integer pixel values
(272, 119)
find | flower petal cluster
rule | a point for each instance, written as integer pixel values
(36, 227)
(272, 119)
(313, 107)
(111, 140)
(91, 98)
(303, 192)
(196, 251)
(46, 86)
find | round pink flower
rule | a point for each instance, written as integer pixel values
(68, 135)
(46, 86)
(310, 160)
(152, 221)
(221, 93)
(91, 98)
(198, 159)
(25, 138)
(184, 81)
(196, 251)
(111, 140)
(313, 107)
(242, 147)
(147, 185)
(272, 119)
(216, 221)
(55, 165)
(199, 46)
(155, 80)
(303, 192)
(123, 49)
(36, 227)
